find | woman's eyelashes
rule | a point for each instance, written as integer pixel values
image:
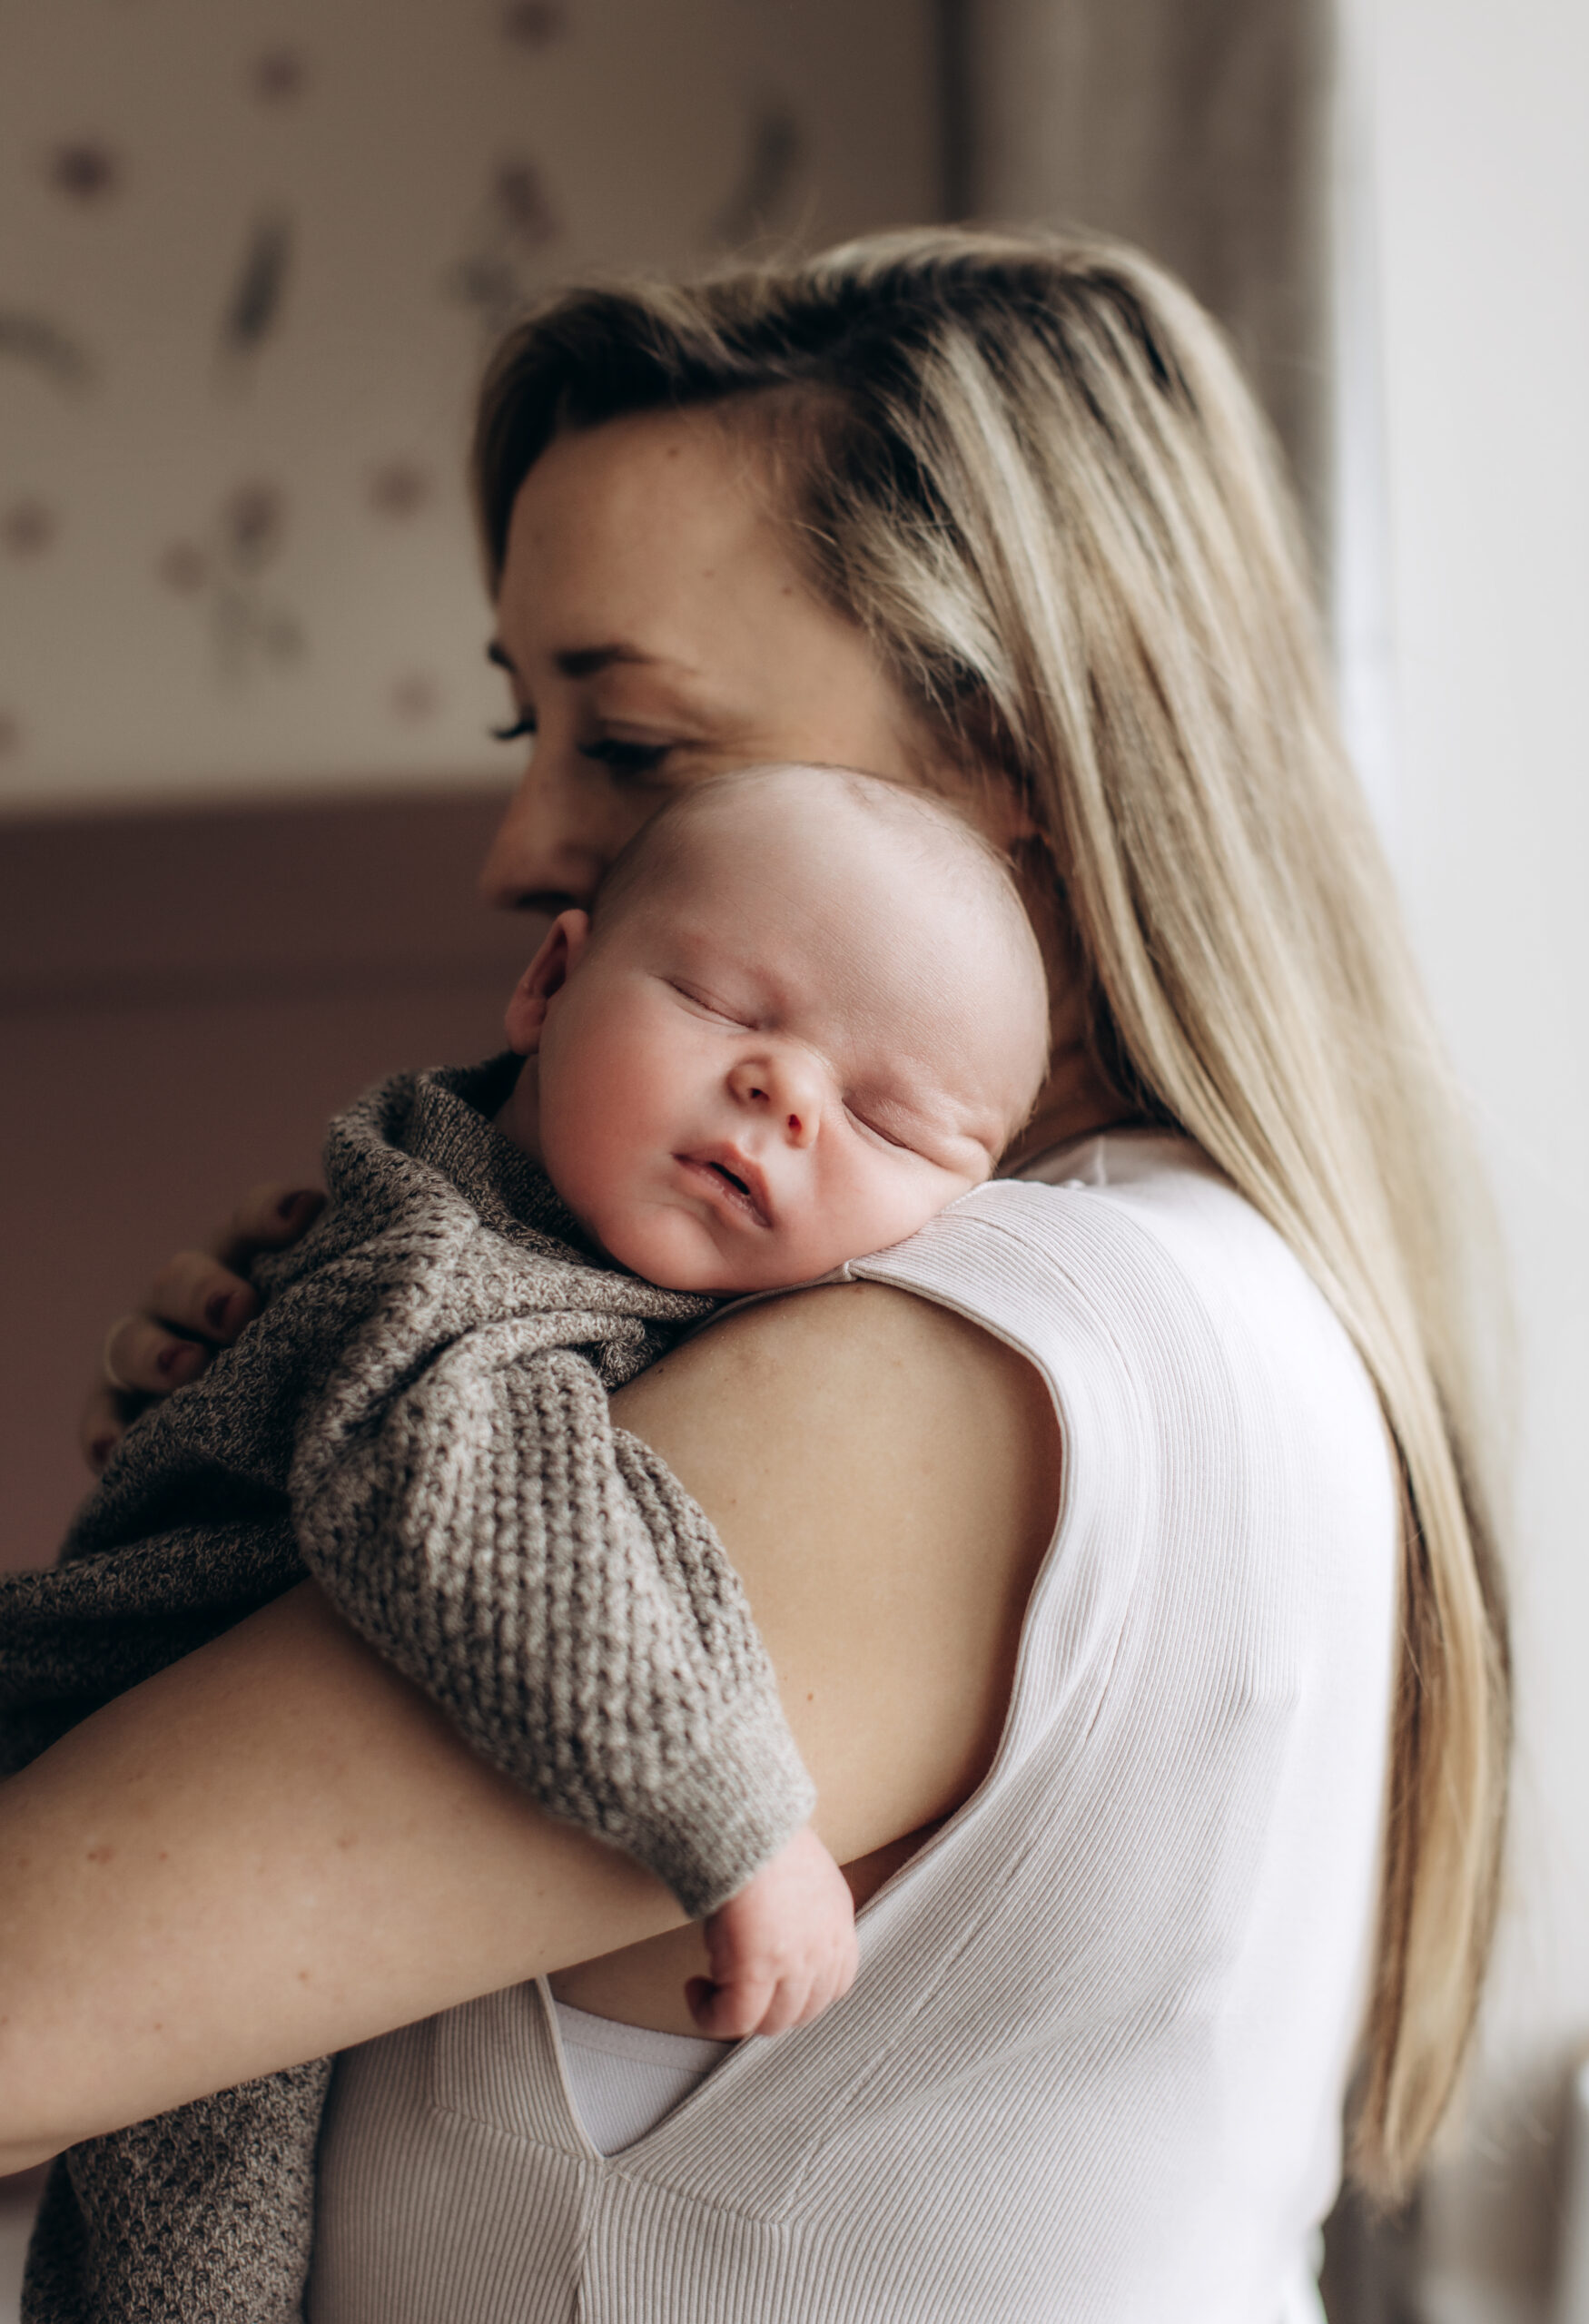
(624, 762)
(630, 761)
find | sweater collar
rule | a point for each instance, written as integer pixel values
(451, 1126)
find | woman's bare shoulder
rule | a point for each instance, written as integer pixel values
(849, 1355)
(885, 1477)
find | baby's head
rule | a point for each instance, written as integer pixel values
(806, 1012)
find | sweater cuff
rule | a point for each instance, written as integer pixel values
(729, 1814)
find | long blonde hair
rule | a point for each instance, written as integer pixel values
(1029, 469)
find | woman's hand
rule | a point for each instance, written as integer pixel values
(199, 1301)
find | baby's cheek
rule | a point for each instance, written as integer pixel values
(909, 1204)
(902, 1197)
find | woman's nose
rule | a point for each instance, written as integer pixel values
(784, 1086)
(561, 829)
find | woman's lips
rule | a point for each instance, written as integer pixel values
(731, 1178)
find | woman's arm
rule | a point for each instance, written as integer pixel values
(276, 1848)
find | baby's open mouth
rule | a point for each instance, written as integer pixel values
(735, 1178)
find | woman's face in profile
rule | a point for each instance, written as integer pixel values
(655, 631)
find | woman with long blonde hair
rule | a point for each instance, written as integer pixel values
(1132, 1584)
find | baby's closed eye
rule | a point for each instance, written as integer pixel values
(710, 1005)
(866, 1117)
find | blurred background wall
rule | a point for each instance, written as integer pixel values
(1479, 166)
(249, 261)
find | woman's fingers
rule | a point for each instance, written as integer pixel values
(197, 1296)
(270, 1217)
(200, 1301)
(144, 1358)
(149, 1353)
(102, 1425)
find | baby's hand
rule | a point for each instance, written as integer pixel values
(780, 1950)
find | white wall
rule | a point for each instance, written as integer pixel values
(1480, 151)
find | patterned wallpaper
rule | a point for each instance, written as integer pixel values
(250, 255)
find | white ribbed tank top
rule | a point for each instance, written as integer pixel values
(624, 2079)
(1092, 2069)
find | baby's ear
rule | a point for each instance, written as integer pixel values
(547, 974)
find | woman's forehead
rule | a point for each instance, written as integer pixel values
(643, 556)
(638, 511)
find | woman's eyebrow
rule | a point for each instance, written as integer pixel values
(588, 660)
(579, 661)
(585, 661)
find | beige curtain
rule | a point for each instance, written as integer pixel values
(1198, 129)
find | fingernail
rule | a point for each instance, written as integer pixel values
(215, 1310)
(176, 1360)
(295, 1201)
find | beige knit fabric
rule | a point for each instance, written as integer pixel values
(420, 1418)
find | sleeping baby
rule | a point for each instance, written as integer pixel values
(805, 1014)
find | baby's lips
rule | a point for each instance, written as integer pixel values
(736, 1170)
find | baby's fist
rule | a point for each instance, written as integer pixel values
(780, 1950)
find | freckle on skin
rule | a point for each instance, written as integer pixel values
(101, 1854)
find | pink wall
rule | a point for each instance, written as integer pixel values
(184, 999)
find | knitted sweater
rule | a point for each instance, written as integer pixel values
(418, 1419)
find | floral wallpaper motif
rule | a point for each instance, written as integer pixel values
(251, 258)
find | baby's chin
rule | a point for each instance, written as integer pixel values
(667, 1248)
(673, 1250)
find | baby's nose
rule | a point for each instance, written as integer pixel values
(785, 1088)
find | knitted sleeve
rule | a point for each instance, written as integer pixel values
(551, 1586)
